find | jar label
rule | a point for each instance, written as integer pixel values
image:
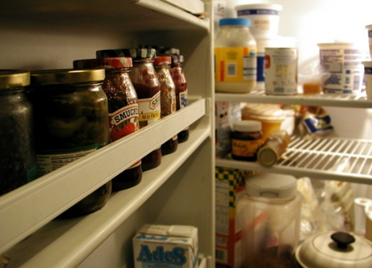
(245, 148)
(183, 99)
(123, 121)
(235, 64)
(149, 110)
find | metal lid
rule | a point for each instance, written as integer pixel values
(14, 78)
(106, 63)
(134, 53)
(162, 60)
(177, 58)
(267, 156)
(247, 126)
(66, 76)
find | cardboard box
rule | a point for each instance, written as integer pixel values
(166, 246)
(230, 187)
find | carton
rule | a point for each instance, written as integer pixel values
(166, 246)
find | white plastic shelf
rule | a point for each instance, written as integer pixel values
(328, 158)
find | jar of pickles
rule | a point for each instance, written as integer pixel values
(71, 121)
(17, 155)
(122, 107)
(168, 97)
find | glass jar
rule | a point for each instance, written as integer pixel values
(235, 56)
(17, 154)
(167, 97)
(71, 121)
(246, 140)
(122, 107)
(146, 84)
(180, 82)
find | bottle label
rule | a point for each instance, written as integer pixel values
(53, 160)
(235, 64)
(123, 121)
(149, 110)
(183, 99)
(245, 148)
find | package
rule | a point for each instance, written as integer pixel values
(166, 246)
(229, 189)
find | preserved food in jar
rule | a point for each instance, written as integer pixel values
(235, 56)
(246, 140)
(146, 84)
(167, 97)
(71, 120)
(122, 108)
(17, 154)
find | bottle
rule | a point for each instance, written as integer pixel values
(146, 84)
(168, 97)
(235, 56)
(122, 108)
(17, 152)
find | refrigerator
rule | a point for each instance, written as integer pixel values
(181, 191)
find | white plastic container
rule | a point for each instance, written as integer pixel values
(235, 54)
(264, 17)
(343, 63)
(368, 78)
(369, 31)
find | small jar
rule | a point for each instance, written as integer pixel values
(17, 154)
(71, 121)
(235, 52)
(146, 84)
(122, 108)
(168, 97)
(246, 140)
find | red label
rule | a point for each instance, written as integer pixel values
(123, 121)
(267, 62)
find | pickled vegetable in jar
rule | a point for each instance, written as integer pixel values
(71, 121)
(167, 99)
(122, 107)
(17, 154)
(146, 84)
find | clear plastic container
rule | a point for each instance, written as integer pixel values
(237, 73)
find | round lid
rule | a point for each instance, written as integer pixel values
(336, 44)
(235, 22)
(134, 53)
(106, 63)
(334, 250)
(263, 111)
(271, 185)
(267, 156)
(162, 60)
(177, 58)
(247, 126)
(66, 76)
(14, 78)
(167, 50)
(275, 7)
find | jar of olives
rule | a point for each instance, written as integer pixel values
(71, 121)
(17, 154)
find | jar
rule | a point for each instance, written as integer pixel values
(17, 154)
(235, 56)
(146, 84)
(71, 121)
(246, 140)
(180, 82)
(122, 109)
(167, 97)
(268, 220)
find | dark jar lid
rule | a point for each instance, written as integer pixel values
(162, 60)
(177, 58)
(134, 53)
(106, 63)
(14, 78)
(66, 76)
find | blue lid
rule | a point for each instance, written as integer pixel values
(235, 22)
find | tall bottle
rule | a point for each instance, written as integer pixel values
(122, 109)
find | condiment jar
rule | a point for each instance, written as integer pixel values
(168, 97)
(17, 154)
(245, 140)
(237, 73)
(146, 84)
(122, 108)
(71, 121)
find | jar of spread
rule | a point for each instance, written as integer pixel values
(146, 84)
(122, 108)
(246, 140)
(71, 121)
(17, 154)
(168, 97)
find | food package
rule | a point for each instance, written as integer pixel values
(314, 122)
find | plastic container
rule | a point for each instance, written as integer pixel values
(236, 74)
(269, 219)
(265, 18)
(122, 106)
(369, 32)
(343, 64)
(368, 78)
(17, 154)
(246, 140)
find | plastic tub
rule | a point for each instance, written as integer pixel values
(343, 64)
(369, 31)
(264, 17)
(368, 78)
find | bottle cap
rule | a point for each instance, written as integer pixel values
(106, 63)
